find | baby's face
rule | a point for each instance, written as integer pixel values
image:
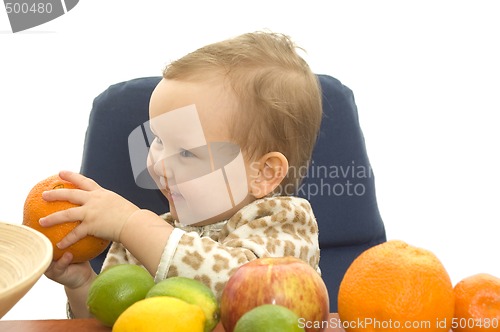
(192, 159)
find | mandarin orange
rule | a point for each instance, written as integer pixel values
(396, 287)
(35, 207)
(477, 304)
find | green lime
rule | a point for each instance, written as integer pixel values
(117, 288)
(191, 291)
(269, 318)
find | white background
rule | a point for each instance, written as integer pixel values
(425, 75)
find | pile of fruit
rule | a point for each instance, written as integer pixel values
(261, 296)
(390, 287)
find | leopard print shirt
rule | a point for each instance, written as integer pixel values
(269, 227)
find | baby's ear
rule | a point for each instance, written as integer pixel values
(271, 170)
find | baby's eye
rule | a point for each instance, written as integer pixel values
(186, 153)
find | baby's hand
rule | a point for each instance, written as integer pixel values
(102, 212)
(70, 275)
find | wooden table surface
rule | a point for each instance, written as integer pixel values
(92, 325)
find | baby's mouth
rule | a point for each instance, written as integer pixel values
(174, 194)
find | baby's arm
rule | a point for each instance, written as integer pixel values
(76, 279)
(145, 235)
(77, 299)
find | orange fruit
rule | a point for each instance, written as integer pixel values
(477, 304)
(35, 207)
(396, 287)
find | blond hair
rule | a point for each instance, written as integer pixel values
(278, 97)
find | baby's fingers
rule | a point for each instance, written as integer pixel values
(79, 180)
(68, 215)
(76, 234)
(58, 268)
(60, 217)
(74, 196)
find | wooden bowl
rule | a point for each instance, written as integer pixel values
(25, 254)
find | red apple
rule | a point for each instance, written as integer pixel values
(287, 281)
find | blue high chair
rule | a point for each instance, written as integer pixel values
(340, 183)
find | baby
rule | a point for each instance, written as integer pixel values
(232, 123)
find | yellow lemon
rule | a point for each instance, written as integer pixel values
(159, 314)
(117, 288)
(192, 291)
(269, 318)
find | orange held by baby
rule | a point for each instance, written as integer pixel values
(35, 207)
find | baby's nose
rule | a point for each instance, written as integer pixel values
(164, 168)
